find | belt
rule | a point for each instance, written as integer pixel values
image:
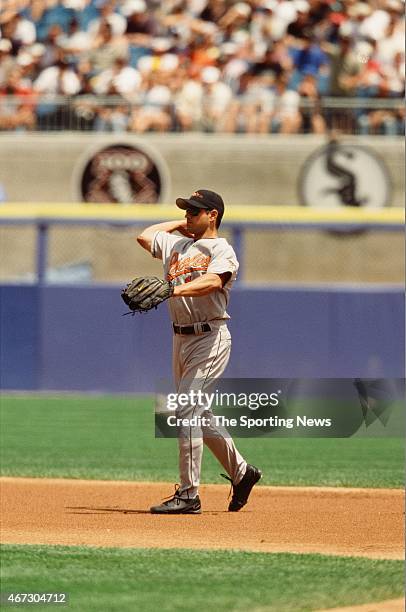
(196, 328)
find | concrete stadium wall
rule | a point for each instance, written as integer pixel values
(74, 338)
(245, 169)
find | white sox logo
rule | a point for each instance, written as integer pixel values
(342, 174)
(122, 173)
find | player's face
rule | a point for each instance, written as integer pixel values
(198, 220)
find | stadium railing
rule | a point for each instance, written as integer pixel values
(85, 113)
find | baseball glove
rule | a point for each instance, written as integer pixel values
(145, 293)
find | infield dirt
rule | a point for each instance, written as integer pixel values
(390, 605)
(337, 521)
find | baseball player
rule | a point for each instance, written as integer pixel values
(202, 268)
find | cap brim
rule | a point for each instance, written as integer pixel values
(185, 204)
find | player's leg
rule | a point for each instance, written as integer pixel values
(186, 499)
(198, 362)
(243, 476)
(215, 437)
(197, 357)
(190, 440)
(206, 359)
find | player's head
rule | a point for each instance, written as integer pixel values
(204, 199)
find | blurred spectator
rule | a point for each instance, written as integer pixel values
(213, 11)
(58, 79)
(108, 13)
(141, 25)
(313, 120)
(55, 80)
(256, 104)
(52, 52)
(369, 77)
(393, 76)
(53, 12)
(28, 65)
(75, 41)
(188, 101)
(6, 60)
(284, 12)
(387, 81)
(300, 28)
(20, 31)
(309, 58)
(106, 48)
(160, 58)
(111, 119)
(155, 112)
(277, 59)
(17, 114)
(358, 26)
(216, 100)
(384, 122)
(121, 79)
(393, 42)
(345, 66)
(286, 117)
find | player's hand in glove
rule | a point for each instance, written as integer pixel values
(145, 293)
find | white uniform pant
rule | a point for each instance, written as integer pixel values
(197, 361)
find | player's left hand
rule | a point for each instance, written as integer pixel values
(146, 292)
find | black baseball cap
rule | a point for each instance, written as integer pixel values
(202, 198)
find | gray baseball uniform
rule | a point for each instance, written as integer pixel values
(201, 358)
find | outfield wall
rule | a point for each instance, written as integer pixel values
(74, 338)
(245, 169)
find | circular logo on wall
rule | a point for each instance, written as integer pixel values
(344, 175)
(121, 173)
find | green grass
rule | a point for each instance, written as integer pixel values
(169, 580)
(113, 438)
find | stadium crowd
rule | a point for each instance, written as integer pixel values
(253, 66)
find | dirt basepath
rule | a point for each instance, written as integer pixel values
(390, 605)
(361, 522)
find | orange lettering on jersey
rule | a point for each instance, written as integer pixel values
(197, 263)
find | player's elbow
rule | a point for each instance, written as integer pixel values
(216, 282)
(143, 241)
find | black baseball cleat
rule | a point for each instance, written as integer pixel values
(242, 490)
(178, 505)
